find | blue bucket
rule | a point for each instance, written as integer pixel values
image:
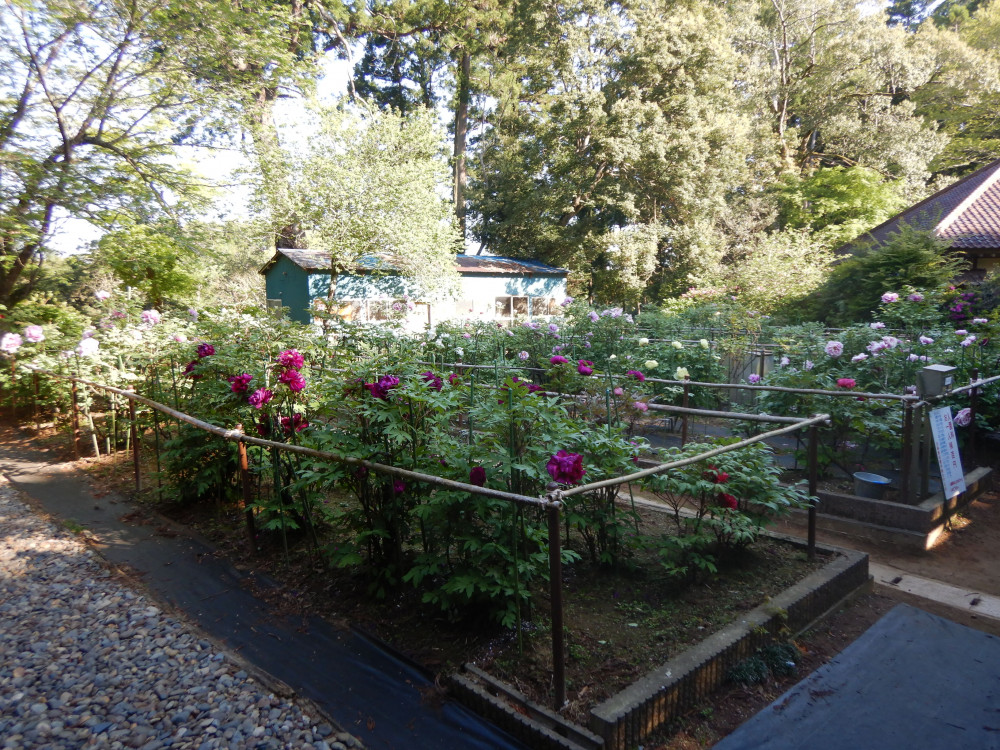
(869, 485)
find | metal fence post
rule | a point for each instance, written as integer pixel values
(907, 457)
(76, 421)
(555, 589)
(247, 493)
(134, 434)
(973, 398)
(813, 477)
(684, 417)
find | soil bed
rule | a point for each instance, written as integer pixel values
(620, 624)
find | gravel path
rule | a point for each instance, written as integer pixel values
(86, 661)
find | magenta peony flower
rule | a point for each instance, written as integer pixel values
(398, 486)
(846, 382)
(454, 378)
(753, 379)
(558, 360)
(477, 476)
(637, 375)
(566, 468)
(260, 397)
(293, 379)
(291, 359)
(240, 382)
(585, 367)
(205, 350)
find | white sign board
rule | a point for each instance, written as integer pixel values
(949, 460)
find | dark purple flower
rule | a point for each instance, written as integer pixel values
(189, 370)
(239, 382)
(205, 350)
(293, 379)
(296, 422)
(433, 379)
(566, 468)
(260, 397)
(637, 375)
(585, 367)
(453, 378)
(291, 359)
(381, 389)
(477, 476)
(398, 485)
(558, 360)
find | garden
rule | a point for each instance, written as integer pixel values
(514, 489)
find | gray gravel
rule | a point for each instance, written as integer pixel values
(88, 662)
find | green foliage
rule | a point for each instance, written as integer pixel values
(908, 258)
(837, 203)
(367, 185)
(717, 505)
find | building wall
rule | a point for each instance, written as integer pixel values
(287, 282)
(478, 298)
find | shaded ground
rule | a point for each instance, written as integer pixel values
(963, 558)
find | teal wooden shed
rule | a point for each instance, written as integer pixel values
(491, 287)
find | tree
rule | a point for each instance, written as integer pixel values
(838, 203)
(368, 184)
(909, 257)
(94, 96)
(615, 138)
(831, 88)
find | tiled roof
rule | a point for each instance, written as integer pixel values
(965, 214)
(315, 260)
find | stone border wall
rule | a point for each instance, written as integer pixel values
(626, 718)
(911, 526)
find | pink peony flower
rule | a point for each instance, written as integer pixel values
(10, 342)
(150, 317)
(753, 379)
(834, 348)
(915, 297)
(102, 295)
(34, 334)
(963, 418)
(641, 405)
(890, 297)
(846, 382)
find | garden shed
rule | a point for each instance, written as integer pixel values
(965, 214)
(491, 288)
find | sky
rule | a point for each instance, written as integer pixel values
(220, 166)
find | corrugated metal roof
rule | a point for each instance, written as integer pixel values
(315, 260)
(468, 264)
(965, 214)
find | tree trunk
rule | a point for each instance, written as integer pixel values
(461, 135)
